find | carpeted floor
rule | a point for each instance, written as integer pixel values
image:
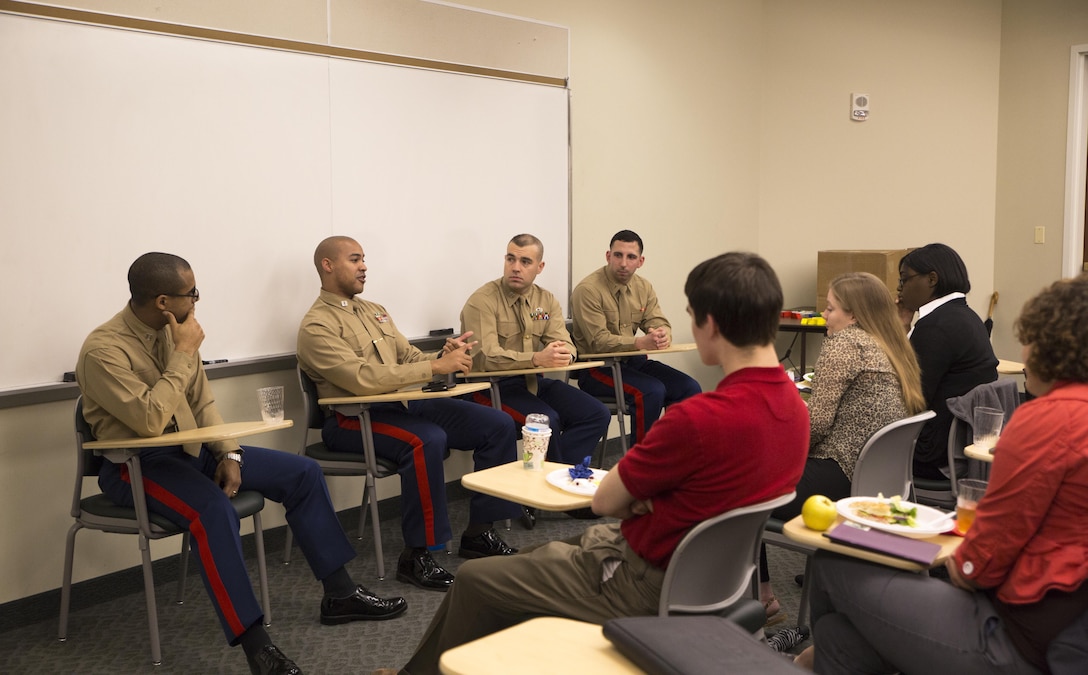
(107, 631)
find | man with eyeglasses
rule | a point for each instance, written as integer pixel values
(141, 375)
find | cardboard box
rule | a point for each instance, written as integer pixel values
(830, 264)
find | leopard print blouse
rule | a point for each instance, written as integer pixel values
(855, 392)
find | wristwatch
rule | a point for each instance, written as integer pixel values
(236, 456)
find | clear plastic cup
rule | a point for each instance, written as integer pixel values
(270, 400)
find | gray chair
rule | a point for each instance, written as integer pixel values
(884, 466)
(941, 492)
(366, 464)
(713, 569)
(97, 512)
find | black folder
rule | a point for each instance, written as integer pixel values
(693, 645)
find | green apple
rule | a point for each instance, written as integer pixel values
(818, 513)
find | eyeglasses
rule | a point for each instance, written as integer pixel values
(194, 294)
(902, 280)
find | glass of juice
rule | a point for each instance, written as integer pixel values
(969, 492)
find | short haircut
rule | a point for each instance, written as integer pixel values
(330, 248)
(1055, 324)
(741, 292)
(626, 236)
(939, 258)
(155, 274)
(524, 240)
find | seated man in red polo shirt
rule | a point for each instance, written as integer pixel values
(743, 443)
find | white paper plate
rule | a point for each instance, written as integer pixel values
(930, 521)
(561, 479)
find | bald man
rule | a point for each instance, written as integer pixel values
(351, 347)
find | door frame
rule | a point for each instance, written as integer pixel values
(1076, 162)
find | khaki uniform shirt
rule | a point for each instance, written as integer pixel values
(511, 327)
(135, 384)
(353, 348)
(608, 314)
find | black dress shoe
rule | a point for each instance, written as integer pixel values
(483, 545)
(362, 605)
(528, 517)
(416, 566)
(271, 661)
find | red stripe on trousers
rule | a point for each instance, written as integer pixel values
(419, 462)
(484, 399)
(196, 529)
(640, 408)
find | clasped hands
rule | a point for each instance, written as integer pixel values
(657, 338)
(555, 354)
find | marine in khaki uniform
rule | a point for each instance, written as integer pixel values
(609, 308)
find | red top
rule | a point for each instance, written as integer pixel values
(1031, 531)
(743, 443)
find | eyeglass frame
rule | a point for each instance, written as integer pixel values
(193, 294)
(902, 280)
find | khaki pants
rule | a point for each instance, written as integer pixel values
(560, 578)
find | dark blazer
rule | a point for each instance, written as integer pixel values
(955, 356)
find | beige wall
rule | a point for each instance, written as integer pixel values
(709, 125)
(1036, 39)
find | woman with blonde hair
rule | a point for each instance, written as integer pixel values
(866, 377)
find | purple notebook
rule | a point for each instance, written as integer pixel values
(915, 550)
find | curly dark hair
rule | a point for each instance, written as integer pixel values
(1055, 324)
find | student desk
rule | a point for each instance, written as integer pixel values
(540, 646)
(515, 483)
(493, 376)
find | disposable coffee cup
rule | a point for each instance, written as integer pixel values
(270, 400)
(534, 447)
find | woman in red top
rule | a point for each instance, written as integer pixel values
(1017, 578)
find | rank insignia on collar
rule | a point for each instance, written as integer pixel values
(381, 317)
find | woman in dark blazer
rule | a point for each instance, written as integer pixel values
(951, 342)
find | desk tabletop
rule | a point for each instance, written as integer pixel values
(795, 529)
(671, 349)
(414, 393)
(539, 646)
(981, 454)
(516, 483)
(1007, 367)
(218, 432)
(577, 365)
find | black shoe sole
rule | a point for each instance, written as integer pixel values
(348, 618)
(409, 579)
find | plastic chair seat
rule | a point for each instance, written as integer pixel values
(98, 512)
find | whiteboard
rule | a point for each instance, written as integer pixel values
(241, 159)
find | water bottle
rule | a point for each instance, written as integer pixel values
(536, 422)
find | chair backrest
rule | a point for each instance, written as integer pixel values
(87, 463)
(885, 464)
(315, 417)
(714, 565)
(959, 437)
